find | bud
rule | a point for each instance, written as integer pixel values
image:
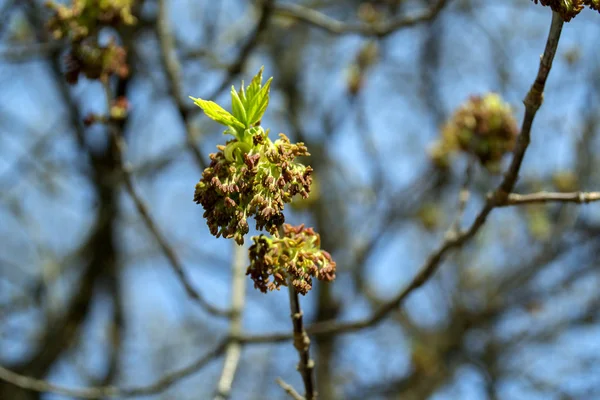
(484, 127)
(294, 258)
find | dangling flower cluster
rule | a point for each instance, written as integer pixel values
(256, 183)
(569, 8)
(294, 258)
(483, 126)
(250, 175)
(80, 23)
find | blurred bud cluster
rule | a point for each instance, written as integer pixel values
(80, 23)
(365, 59)
(295, 257)
(483, 126)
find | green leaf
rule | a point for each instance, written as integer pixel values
(237, 107)
(242, 94)
(254, 87)
(217, 113)
(258, 104)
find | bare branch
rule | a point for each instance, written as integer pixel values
(142, 208)
(306, 366)
(42, 386)
(289, 389)
(532, 103)
(26, 53)
(173, 71)
(322, 21)
(238, 297)
(463, 199)
(514, 199)
(236, 67)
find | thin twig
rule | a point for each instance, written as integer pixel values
(173, 71)
(463, 199)
(306, 366)
(238, 297)
(514, 199)
(143, 210)
(289, 389)
(380, 29)
(532, 102)
(26, 53)
(42, 386)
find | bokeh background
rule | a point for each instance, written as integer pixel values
(88, 298)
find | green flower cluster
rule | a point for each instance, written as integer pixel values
(250, 175)
(569, 8)
(483, 126)
(294, 258)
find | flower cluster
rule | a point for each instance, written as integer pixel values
(80, 23)
(85, 17)
(294, 258)
(483, 126)
(569, 8)
(257, 182)
(95, 62)
(250, 175)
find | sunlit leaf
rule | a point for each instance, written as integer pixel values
(217, 113)
(237, 107)
(258, 104)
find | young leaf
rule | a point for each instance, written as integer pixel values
(254, 87)
(217, 113)
(237, 107)
(242, 94)
(258, 104)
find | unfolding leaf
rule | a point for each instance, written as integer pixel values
(258, 103)
(217, 113)
(237, 107)
(254, 86)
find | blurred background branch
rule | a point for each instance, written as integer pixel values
(96, 207)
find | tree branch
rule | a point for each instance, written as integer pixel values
(42, 386)
(173, 71)
(514, 199)
(238, 297)
(306, 366)
(267, 8)
(322, 21)
(289, 389)
(142, 208)
(532, 102)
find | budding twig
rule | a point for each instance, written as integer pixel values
(289, 389)
(306, 366)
